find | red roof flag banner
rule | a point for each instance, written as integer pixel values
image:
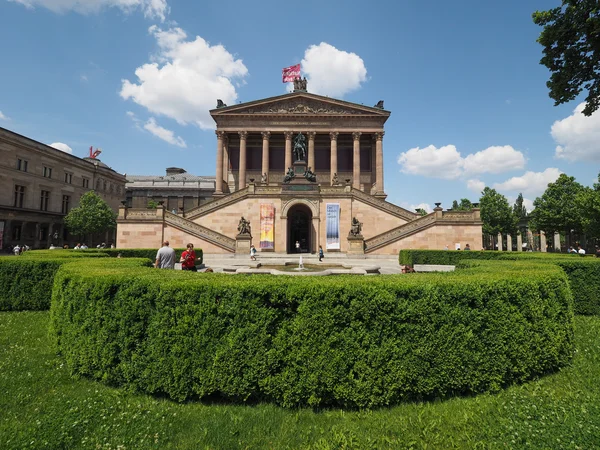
(290, 73)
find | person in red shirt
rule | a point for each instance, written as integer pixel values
(188, 258)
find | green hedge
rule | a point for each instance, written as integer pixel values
(343, 341)
(583, 272)
(26, 284)
(149, 253)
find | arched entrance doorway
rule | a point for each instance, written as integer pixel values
(299, 222)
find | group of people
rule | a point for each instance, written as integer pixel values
(467, 247)
(19, 249)
(165, 258)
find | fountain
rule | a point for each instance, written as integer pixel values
(300, 264)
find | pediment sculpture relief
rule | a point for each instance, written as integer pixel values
(303, 106)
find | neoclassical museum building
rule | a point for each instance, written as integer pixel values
(295, 172)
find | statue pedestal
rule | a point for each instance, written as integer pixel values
(242, 244)
(356, 244)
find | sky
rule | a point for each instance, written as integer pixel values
(468, 98)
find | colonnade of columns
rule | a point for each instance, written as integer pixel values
(223, 156)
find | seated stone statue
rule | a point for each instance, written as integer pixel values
(356, 227)
(243, 226)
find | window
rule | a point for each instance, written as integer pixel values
(68, 177)
(44, 198)
(65, 204)
(22, 165)
(85, 182)
(19, 196)
(105, 186)
(47, 172)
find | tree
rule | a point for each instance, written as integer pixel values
(558, 210)
(519, 209)
(571, 41)
(496, 213)
(588, 202)
(464, 205)
(93, 215)
(421, 212)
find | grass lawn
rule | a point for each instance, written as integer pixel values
(41, 406)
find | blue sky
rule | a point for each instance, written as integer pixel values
(135, 78)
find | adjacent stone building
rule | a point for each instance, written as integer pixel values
(177, 190)
(39, 185)
(294, 172)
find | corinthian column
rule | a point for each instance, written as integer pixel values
(242, 172)
(225, 159)
(356, 160)
(265, 153)
(311, 150)
(379, 161)
(333, 170)
(219, 175)
(288, 149)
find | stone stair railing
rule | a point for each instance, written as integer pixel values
(209, 207)
(206, 234)
(385, 206)
(383, 239)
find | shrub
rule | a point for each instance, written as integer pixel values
(583, 273)
(346, 341)
(26, 283)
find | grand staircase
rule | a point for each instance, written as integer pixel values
(194, 229)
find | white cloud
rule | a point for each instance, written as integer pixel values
(578, 136)
(475, 185)
(331, 71)
(163, 133)
(62, 147)
(153, 9)
(447, 163)
(3, 117)
(443, 162)
(186, 78)
(495, 159)
(424, 206)
(526, 202)
(530, 183)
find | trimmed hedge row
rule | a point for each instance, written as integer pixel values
(344, 341)
(583, 273)
(27, 280)
(149, 253)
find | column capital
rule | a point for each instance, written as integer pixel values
(356, 135)
(334, 135)
(266, 135)
(243, 134)
(378, 136)
(311, 135)
(220, 134)
(288, 135)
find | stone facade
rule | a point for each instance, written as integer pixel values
(256, 149)
(40, 184)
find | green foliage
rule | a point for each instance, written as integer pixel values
(93, 215)
(496, 214)
(583, 273)
(588, 202)
(26, 283)
(519, 209)
(152, 204)
(557, 209)
(43, 406)
(464, 205)
(347, 341)
(421, 212)
(571, 41)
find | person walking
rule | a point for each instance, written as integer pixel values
(253, 253)
(297, 246)
(188, 259)
(165, 257)
(321, 256)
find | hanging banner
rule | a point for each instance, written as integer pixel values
(333, 226)
(267, 218)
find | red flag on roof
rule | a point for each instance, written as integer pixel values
(290, 73)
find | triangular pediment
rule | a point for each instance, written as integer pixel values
(300, 103)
